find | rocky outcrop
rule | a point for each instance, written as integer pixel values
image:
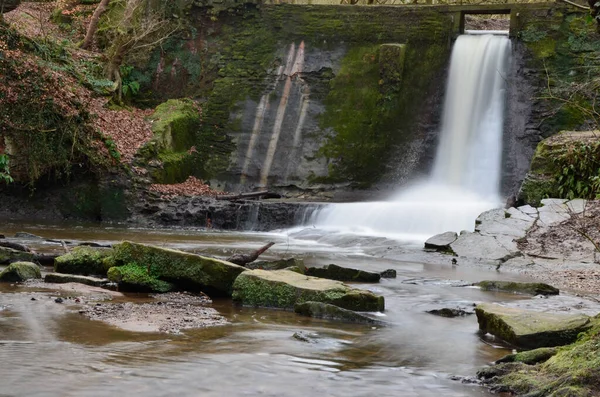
(144, 264)
(528, 329)
(332, 312)
(285, 289)
(335, 272)
(20, 271)
(85, 261)
(519, 288)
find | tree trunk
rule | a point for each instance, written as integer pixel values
(91, 32)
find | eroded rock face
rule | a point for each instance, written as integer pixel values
(145, 264)
(529, 329)
(284, 289)
(335, 272)
(520, 288)
(20, 271)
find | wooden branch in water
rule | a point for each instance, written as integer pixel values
(263, 194)
(244, 259)
(15, 246)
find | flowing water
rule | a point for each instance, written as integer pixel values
(465, 178)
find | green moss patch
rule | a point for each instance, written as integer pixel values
(134, 277)
(20, 271)
(84, 261)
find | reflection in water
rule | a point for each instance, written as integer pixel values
(47, 349)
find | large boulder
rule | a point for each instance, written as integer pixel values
(84, 260)
(185, 270)
(20, 271)
(335, 272)
(332, 312)
(285, 289)
(441, 242)
(529, 329)
(519, 288)
(9, 255)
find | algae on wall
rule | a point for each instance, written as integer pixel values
(232, 58)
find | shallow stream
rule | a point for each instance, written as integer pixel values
(48, 349)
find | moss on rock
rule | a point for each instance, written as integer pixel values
(332, 312)
(530, 357)
(20, 271)
(133, 277)
(185, 270)
(8, 255)
(84, 261)
(520, 288)
(528, 329)
(335, 272)
(284, 289)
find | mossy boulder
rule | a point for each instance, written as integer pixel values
(572, 370)
(332, 312)
(529, 329)
(185, 270)
(530, 357)
(133, 277)
(9, 255)
(277, 265)
(59, 278)
(441, 242)
(284, 289)
(20, 271)
(84, 260)
(519, 288)
(335, 272)
(541, 181)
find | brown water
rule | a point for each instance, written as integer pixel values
(48, 350)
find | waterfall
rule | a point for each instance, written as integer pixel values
(466, 175)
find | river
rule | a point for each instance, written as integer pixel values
(47, 349)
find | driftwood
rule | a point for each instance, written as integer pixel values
(241, 196)
(244, 259)
(15, 246)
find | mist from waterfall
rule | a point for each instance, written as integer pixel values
(466, 175)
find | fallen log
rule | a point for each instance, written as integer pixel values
(240, 196)
(15, 246)
(244, 259)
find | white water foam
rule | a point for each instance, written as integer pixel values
(466, 176)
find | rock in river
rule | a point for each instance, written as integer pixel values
(185, 270)
(84, 260)
(441, 242)
(332, 312)
(8, 255)
(20, 271)
(335, 272)
(59, 278)
(284, 289)
(520, 288)
(529, 329)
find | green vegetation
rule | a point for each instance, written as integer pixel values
(5, 169)
(136, 277)
(20, 271)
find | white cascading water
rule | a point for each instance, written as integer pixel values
(466, 175)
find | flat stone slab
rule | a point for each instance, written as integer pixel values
(475, 245)
(332, 312)
(553, 212)
(59, 278)
(519, 288)
(285, 289)
(441, 242)
(335, 272)
(529, 329)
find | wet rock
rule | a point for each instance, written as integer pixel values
(9, 255)
(84, 260)
(441, 242)
(276, 265)
(28, 236)
(59, 300)
(332, 312)
(529, 329)
(20, 271)
(308, 337)
(135, 278)
(59, 278)
(520, 288)
(451, 312)
(389, 273)
(335, 272)
(284, 289)
(530, 357)
(475, 245)
(185, 270)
